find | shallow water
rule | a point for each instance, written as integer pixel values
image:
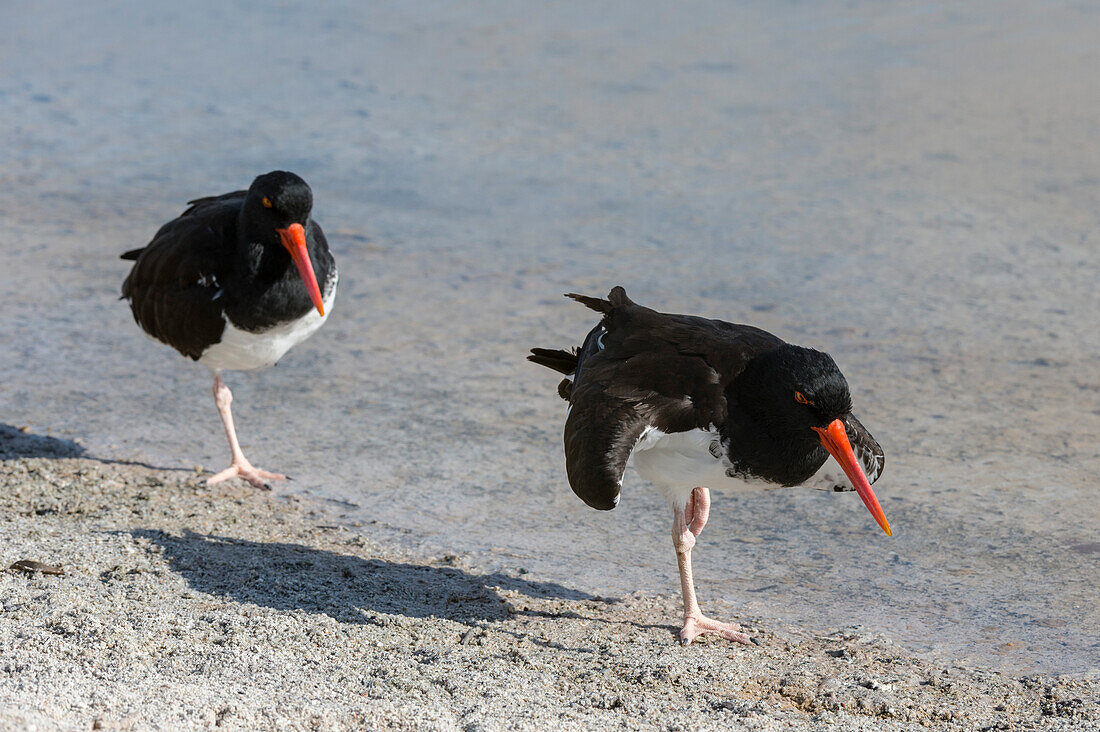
(913, 188)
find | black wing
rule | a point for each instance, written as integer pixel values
(639, 368)
(175, 287)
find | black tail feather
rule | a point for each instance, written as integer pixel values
(564, 362)
(594, 303)
(616, 298)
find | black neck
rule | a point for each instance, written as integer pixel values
(763, 441)
(267, 287)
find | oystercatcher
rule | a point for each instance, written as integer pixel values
(704, 404)
(234, 283)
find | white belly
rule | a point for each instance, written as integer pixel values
(679, 462)
(676, 463)
(242, 350)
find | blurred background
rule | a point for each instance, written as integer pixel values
(910, 186)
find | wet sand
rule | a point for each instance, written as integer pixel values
(911, 187)
(183, 606)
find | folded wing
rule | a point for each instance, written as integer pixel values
(639, 368)
(175, 288)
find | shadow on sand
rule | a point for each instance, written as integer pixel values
(347, 588)
(15, 442)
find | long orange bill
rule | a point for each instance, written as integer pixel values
(294, 239)
(835, 439)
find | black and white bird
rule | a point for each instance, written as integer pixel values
(234, 283)
(703, 404)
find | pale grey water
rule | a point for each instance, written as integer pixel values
(912, 187)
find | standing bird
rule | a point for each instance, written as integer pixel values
(234, 283)
(704, 404)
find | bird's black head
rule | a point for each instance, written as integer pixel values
(800, 401)
(794, 388)
(278, 199)
(276, 212)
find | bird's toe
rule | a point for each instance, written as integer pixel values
(259, 479)
(702, 625)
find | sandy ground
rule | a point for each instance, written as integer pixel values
(183, 606)
(911, 187)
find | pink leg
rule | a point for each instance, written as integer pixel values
(688, 523)
(240, 468)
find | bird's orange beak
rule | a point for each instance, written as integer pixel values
(834, 438)
(294, 239)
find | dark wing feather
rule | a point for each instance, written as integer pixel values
(600, 433)
(175, 286)
(639, 368)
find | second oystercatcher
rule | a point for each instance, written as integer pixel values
(704, 404)
(234, 283)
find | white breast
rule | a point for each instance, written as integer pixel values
(242, 350)
(678, 462)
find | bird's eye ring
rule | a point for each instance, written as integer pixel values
(801, 399)
(266, 202)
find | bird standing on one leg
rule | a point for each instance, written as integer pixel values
(704, 404)
(234, 283)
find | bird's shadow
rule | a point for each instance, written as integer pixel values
(19, 442)
(347, 588)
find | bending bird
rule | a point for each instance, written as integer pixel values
(703, 404)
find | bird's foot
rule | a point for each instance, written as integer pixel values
(697, 625)
(243, 469)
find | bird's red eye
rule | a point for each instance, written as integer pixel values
(798, 397)
(266, 202)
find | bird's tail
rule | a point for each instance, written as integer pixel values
(561, 361)
(564, 362)
(567, 362)
(615, 299)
